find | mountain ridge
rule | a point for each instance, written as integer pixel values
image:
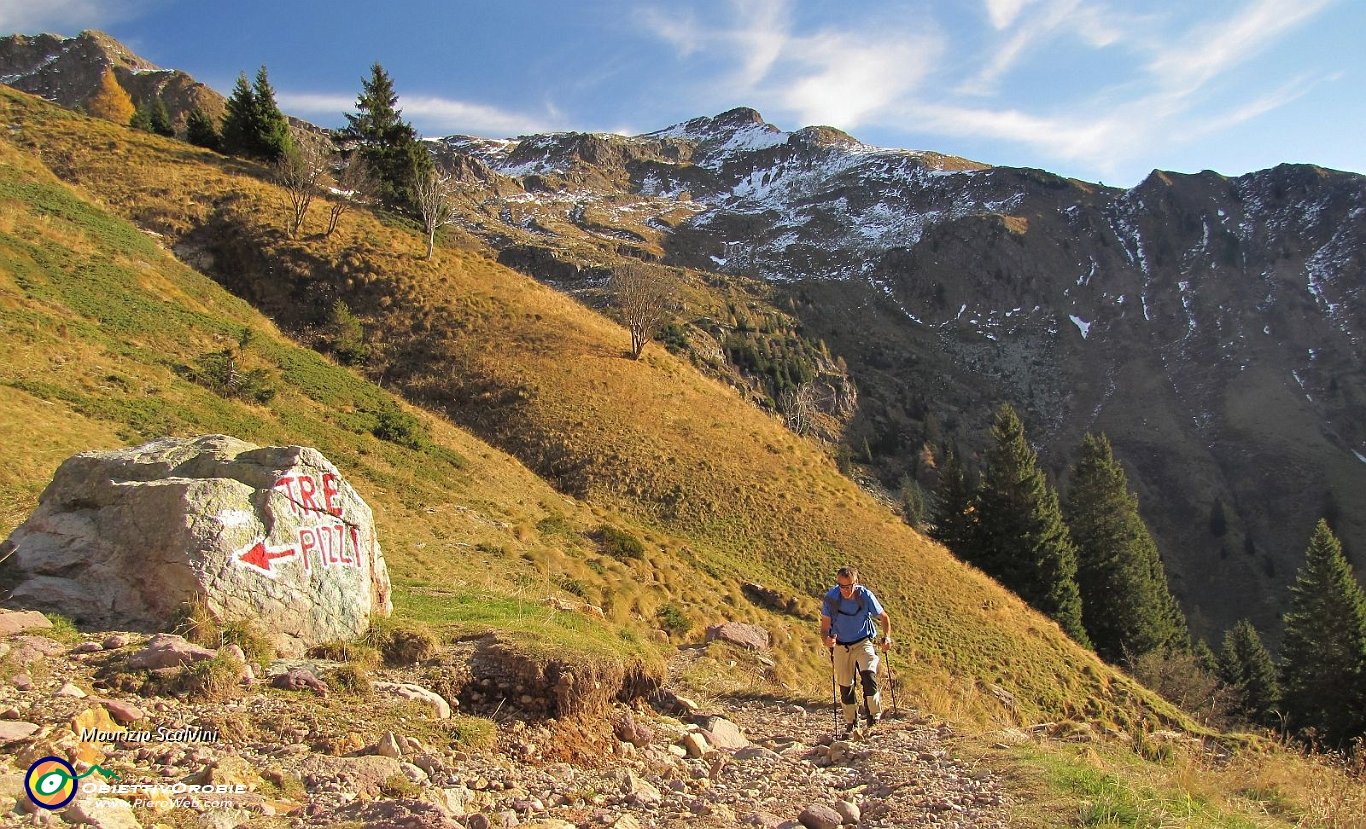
(67, 71)
(100, 310)
(948, 285)
(1009, 283)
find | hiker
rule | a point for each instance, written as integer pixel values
(847, 615)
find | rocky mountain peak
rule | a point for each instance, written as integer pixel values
(721, 136)
(727, 122)
(1155, 314)
(68, 70)
(824, 137)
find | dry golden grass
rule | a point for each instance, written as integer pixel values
(724, 493)
(98, 317)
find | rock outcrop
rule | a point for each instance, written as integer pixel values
(68, 70)
(133, 537)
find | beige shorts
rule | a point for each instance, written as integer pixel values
(849, 660)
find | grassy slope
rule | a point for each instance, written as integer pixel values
(99, 325)
(98, 322)
(725, 493)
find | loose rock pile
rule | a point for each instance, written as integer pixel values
(764, 764)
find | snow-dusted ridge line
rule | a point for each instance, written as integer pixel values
(48, 61)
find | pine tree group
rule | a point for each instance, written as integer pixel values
(1323, 666)
(955, 507)
(389, 145)
(1020, 538)
(200, 130)
(254, 126)
(1127, 607)
(152, 117)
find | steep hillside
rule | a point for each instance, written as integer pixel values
(1211, 326)
(105, 339)
(721, 493)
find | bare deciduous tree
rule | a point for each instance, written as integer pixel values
(355, 184)
(299, 171)
(798, 407)
(645, 296)
(434, 192)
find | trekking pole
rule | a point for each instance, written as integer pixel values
(891, 682)
(834, 694)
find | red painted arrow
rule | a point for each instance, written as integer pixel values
(260, 556)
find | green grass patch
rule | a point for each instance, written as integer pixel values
(1104, 786)
(540, 628)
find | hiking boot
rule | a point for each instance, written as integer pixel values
(849, 729)
(873, 720)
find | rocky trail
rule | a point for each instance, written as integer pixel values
(306, 758)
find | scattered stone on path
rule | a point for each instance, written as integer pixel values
(122, 712)
(820, 816)
(723, 733)
(19, 621)
(167, 650)
(12, 731)
(441, 709)
(629, 730)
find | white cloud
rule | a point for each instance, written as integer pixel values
(754, 36)
(65, 16)
(684, 33)
(1163, 70)
(1003, 12)
(478, 119)
(433, 115)
(761, 39)
(1207, 52)
(1053, 19)
(841, 76)
(1064, 137)
(844, 79)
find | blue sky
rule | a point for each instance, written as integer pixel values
(1103, 90)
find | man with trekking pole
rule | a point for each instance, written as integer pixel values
(847, 615)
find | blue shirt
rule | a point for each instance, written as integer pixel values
(851, 619)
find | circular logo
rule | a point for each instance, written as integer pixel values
(50, 782)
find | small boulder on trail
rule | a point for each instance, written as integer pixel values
(275, 535)
(750, 637)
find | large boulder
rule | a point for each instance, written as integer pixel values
(129, 538)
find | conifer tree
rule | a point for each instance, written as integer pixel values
(1323, 667)
(389, 145)
(152, 117)
(238, 119)
(253, 125)
(110, 101)
(200, 131)
(272, 136)
(1247, 669)
(1127, 607)
(954, 515)
(1205, 658)
(161, 118)
(1021, 539)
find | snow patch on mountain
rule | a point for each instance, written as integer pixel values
(39, 67)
